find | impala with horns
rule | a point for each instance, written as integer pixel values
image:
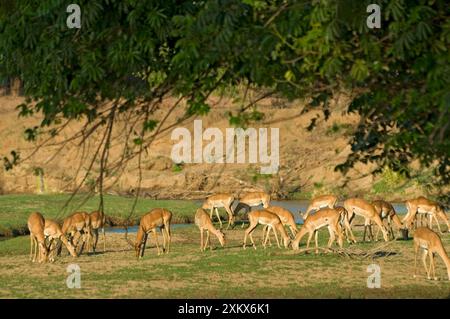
(319, 202)
(98, 221)
(264, 217)
(204, 223)
(325, 217)
(387, 212)
(431, 244)
(423, 205)
(38, 249)
(54, 233)
(156, 218)
(360, 207)
(216, 201)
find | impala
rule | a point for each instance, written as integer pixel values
(423, 205)
(158, 217)
(360, 207)
(204, 223)
(264, 217)
(286, 217)
(329, 217)
(75, 226)
(320, 202)
(431, 244)
(387, 212)
(36, 225)
(98, 221)
(54, 232)
(220, 200)
(252, 199)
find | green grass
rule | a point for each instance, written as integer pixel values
(229, 272)
(15, 209)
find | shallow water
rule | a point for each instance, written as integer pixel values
(292, 205)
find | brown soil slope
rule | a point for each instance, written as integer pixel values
(307, 159)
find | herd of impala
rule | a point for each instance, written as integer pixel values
(81, 229)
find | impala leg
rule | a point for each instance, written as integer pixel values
(251, 239)
(218, 217)
(276, 236)
(201, 239)
(248, 232)
(416, 251)
(208, 243)
(156, 241)
(104, 239)
(332, 237)
(424, 261)
(230, 216)
(310, 235)
(31, 247)
(316, 241)
(348, 229)
(437, 222)
(432, 266)
(95, 240)
(266, 232)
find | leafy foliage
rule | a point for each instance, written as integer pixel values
(139, 51)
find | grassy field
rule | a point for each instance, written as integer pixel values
(15, 209)
(229, 272)
(185, 272)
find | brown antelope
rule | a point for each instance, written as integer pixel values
(252, 199)
(329, 217)
(216, 201)
(264, 217)
(54, 232)
(286, 217)
(320, 202)
(157, 217)
(431, 244)
(360, 207)
(204, 223)
(387, 212)
(98, 221)
(78, 226)
(36, 225)
(423, 205)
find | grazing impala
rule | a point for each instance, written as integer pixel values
(321, 202)
(329, 217)
(36, 225)
(431, 244)
(286, 217)
(204, 223)
(387, 212)
(53, 231)
(252, 199)
(78, 225)
(220, 200)
(158, 217)
(264, 217)
(360, 207)
(98, 221)
(423, 205)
